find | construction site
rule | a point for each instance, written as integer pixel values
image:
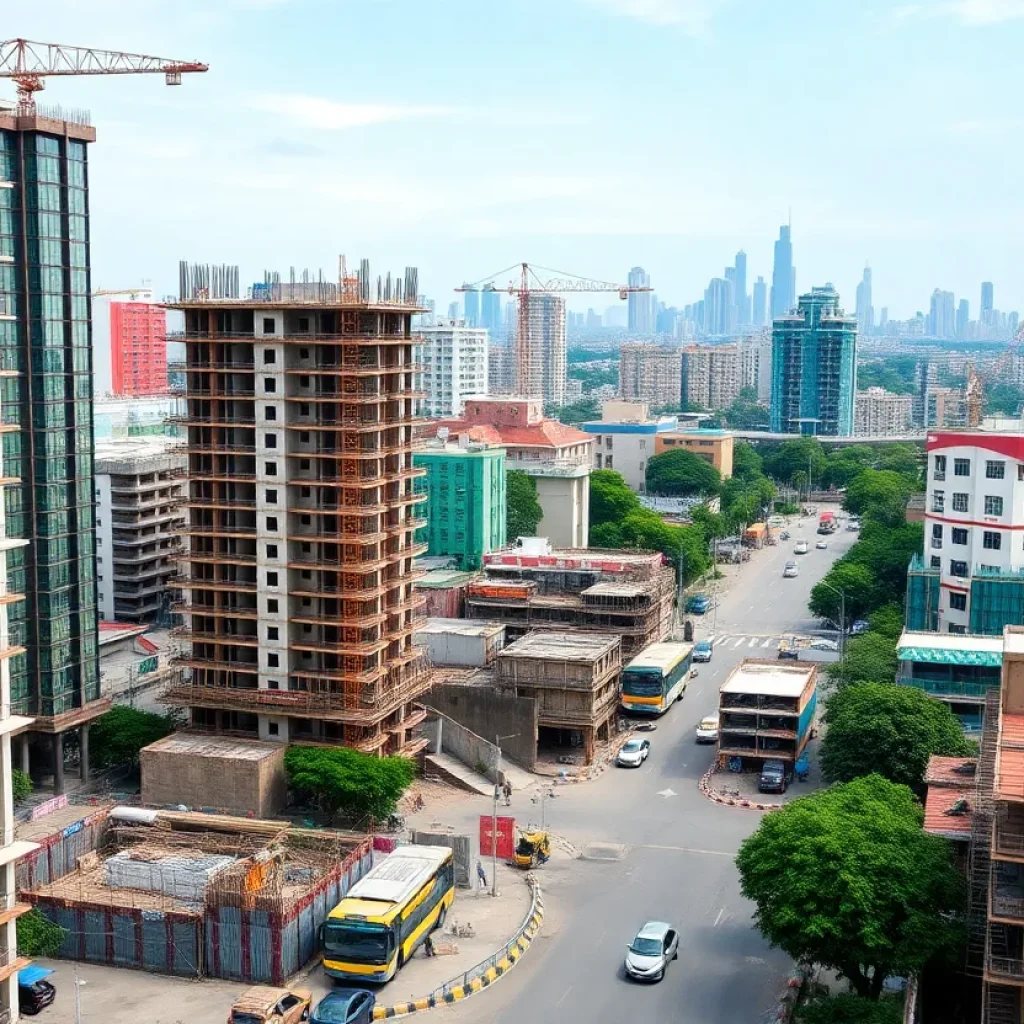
(199, 895)
(302, 510)
(625, 594)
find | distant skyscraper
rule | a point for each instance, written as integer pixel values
(740, 283)
(471, 304)
(942, 315)
(986, 302)
(719, 307)
(760, 303)
(453, 311)
(783, 274)
(490, 309)
(814, 367)
(963, 318)
(640, 314)
(865, 311)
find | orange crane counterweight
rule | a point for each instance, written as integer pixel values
(28, 63)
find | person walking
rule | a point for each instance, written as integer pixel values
(428, 946)
(481, 877)
(507, 790)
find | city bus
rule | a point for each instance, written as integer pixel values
(656, 678)
(388, 913)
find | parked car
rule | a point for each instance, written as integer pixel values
(791, 570)
(649, 953)
(34, 992)
(773, 777)
(859, 626)
(707, 729)
(853, 525)
(702, 650)
(800, 548)
(819, 643)
(821, 545)
(265, 1004)
(634, 753)
(345, 1006)
(699, 604)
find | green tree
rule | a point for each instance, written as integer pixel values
(847, 878)
(847, 1008)
(746, 463)
(681, 473)
(887, 621)
(885, 551)
(575, 413)
(846, 463)
(870, 657)
(906, 459)
(117, 737)
(854, 581)
(21, 784)
(524, 511)
(340, 779)
(891, 730)
(38, 935)
(611, 500)
(879, 492)
(787, 458)
(746, 413)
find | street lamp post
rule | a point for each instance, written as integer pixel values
(842, 615)
(494, 812)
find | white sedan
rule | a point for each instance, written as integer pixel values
(821, 545)
(634, 753)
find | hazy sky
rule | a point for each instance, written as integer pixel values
(586, 135)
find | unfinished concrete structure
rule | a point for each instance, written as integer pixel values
(650, 373)
(712, 375)
(628, 594)
(301, 510)
(575, 680)
(139, 488)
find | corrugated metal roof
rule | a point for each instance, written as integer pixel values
(461, 627)
(400, 874)
(662, 656)
(769, 679)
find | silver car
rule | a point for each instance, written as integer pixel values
(648, 954)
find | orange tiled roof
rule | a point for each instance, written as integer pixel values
(941, 771)
(1009, 784)
(546, 434)
(952, 826)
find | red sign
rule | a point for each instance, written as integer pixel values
(506, 836)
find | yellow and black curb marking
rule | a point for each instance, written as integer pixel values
(456, 993)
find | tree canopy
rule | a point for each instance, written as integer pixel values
(891, 730)
(746, 463)
(880, 492)
(870, 657)
(846, 878)
(858, 589)
(340, 779)
(681, 473)
(611, 500)
(118, 736)
(846, 1008)
(524, 511)
(795, 456)
(745, 412)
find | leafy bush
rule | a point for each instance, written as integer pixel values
(851, 1009)
(118, 736)
(38, 935)
(524, 511)
(339, 779)
(21, 784)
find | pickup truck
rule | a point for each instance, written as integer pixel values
(773, 778)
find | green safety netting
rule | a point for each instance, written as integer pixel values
(938, 656)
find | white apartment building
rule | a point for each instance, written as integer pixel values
(11, 850)
(974, 519)
(756, 365)
(711, 375)
(454, 358)
(650, 373)
(624, 439)
(881, 413)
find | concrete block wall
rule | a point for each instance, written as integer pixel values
(486, 713)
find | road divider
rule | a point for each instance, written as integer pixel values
(483, 974)
(730, 801)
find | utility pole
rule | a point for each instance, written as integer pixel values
(494, 812)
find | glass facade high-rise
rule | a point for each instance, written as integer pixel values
(740, 289)
(987, 301)
(471, 304)
(783, 275)
(814, 367)
(44, 226)
(641, 320)
(490, 309)
(760, 303)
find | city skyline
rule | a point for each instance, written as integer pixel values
(272, 112)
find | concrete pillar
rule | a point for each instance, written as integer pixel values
(23, 743)
(58, 764)
(83, 746)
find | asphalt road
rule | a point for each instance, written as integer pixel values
(655, 848)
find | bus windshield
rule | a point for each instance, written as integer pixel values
(357, 941)
(642, 684)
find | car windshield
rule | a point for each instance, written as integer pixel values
(356, 941)
(646, 947)
(334, 1010)
(709, 723)
(632, 747)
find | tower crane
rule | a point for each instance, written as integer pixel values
(527, 283)
(29, 63)
(974, 393)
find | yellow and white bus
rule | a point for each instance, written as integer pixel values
(376, 928)
(656, 678)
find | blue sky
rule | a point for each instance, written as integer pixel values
(587, 135)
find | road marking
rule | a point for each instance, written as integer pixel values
(753, 641)
(721, 640)
(564, 994)
(649, 770)
(685, 849)
(718, 920)
(767, 642)
(739, 643)
(667, 793)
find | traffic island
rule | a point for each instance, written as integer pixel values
(723, 788)
(486, 972)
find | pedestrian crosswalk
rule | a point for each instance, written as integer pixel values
(747, 640)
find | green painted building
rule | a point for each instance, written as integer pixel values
(465, 506)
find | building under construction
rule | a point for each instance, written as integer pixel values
(651, 373)
(574, 679)
(626, 594)
(302, 512)
(540, 358)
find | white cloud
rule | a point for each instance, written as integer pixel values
(985, 127)
(691, 15)
(985, 12)
(329, 115)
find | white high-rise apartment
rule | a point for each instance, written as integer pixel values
(540, 363)
(10, 849)
(756, 365)
(454, 365)
(881, 413)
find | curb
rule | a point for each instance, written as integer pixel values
(449, 993)
(731, 801)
